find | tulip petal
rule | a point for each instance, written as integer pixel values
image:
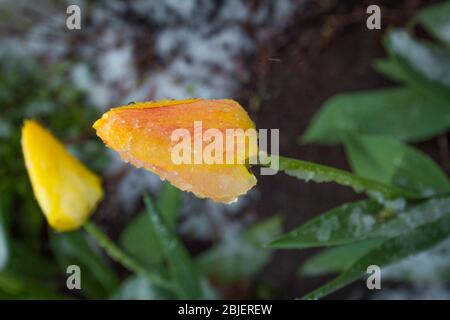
(141, 133)
(66, 191)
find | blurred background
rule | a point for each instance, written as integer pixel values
(280, 59)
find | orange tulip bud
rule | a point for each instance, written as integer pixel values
(150, 134)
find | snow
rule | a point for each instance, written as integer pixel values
(360, 223)
(116, 64)
(444, 32)
(198, 49)
(429, 292)
(326, 229)
(396, 205)
(427, 60)
(429, 267)
(426, 273)
(208, 220)
(133, 185)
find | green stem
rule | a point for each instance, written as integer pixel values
(320, 173)
(125, 260)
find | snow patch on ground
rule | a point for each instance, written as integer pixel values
(426, 272)
(429, 267)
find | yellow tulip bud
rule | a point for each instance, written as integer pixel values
(66, 191)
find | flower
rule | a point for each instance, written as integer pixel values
(66, 191)
(148, 135)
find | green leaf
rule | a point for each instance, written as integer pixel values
(168, 203)
(309, 171)
(240, 256)
(18, 286)
(388, 252)
(181, 267)
(26, 261)
(361, 220)
(154, 275)
(390, 69)
(436, 20)
(400, 113)
(99, 280)
(425, 65)
(337, 259)
(28, 275)
(261, 232)
(139, 239)
(345, 224)
(391, 162)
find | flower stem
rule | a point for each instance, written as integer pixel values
(125, 260)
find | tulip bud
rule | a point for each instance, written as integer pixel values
(185, 142)
(66, 191)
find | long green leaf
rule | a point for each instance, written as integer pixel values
(345, 224)
(401, 113)
(388, 252)
(181, 267)
(391, 162)
(154, 275)
(168, 203)
(362, 220)
(337, 259)
(309, 171)
(139, 239)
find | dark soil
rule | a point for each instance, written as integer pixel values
(326, 51)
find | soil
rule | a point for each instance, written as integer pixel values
(326, 51)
